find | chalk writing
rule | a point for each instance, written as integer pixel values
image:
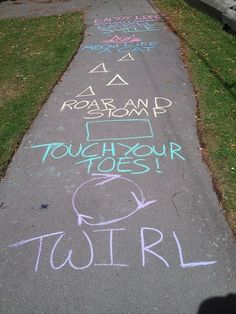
(137, 47)
(104, 179)
(107, 107)
(128, 27)
(113, 157)
(147, 248)
(120, 40)
(139, 18)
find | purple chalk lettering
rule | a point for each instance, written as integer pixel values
(40, 238)
(189, 265)
(69, 258)
(147, 248)
(111, 248)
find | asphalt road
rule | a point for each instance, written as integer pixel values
(107, 205)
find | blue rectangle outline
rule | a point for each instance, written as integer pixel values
(120, 138)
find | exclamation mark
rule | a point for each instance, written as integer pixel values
(158, 166)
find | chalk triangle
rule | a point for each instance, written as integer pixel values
(87, 92)
(127, 57)
(99, 69)
(117, 80)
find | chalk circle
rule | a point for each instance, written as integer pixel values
(105, 199)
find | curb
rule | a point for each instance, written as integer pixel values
(222, 10)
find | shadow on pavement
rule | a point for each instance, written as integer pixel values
(219, 305)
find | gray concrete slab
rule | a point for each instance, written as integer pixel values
(107, 205)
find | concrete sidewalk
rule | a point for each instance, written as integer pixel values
(107, 206)
(34, 8)
(223, 10)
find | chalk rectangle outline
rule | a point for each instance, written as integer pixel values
(119, 138)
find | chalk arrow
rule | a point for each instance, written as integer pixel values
(107, 178)
(142, 203)
(81, 218)
(102, 179)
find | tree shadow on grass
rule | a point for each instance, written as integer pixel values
(219, 305)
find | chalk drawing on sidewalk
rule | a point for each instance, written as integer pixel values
(137, 47)
(128, 24)
(127, 57)
(87, 92)
(128, 27)
(122, 129)
(97, 187)
(117, 80)
(137, 18)
(97, 181)
(120, 40)
(90, 239)
(114, 157)
(99, 69)
(109, 108)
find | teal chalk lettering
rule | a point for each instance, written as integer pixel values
(130, 148)
(162, 153)
(174, 148)
(148, 48)
(123, 161)
(104, 161)
(71, 154)
(158, 166)
(106, 149)
(143, 147)
(87, 148)
(90, 47)
(145, 167)
(137, 49)
(49, 147)
(98, 47)
(60, 155)
(89, 161)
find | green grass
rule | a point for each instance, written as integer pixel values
(211, 56)
(33, 54)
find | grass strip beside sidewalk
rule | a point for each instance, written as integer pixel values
(211, 58)
(34, 52)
